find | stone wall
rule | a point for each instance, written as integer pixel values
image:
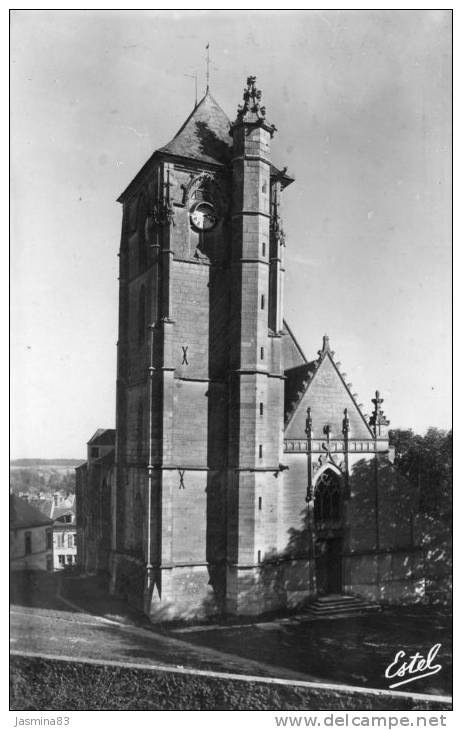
(39, 558)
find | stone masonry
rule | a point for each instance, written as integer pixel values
(246, 478)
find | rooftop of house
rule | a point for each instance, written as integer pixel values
(61, 510)
(24, 515)
(43, 505)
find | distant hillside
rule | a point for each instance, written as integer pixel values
(46, 462)
(43, 476)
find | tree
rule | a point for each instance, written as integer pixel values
(427, 462)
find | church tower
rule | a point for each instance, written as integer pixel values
(256, 377)
(246, 477)
(200, 382)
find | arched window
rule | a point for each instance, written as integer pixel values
(328, 500)
(142, 316)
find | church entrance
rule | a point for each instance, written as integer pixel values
(328, 522)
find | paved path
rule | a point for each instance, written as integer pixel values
(67, 632)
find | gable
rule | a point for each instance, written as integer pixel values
(327, 395)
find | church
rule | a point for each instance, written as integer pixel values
(243, 476)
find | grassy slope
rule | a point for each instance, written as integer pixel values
(38, 684)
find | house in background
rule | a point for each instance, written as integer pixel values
(64, 531)
(95, 480)
(31, 537)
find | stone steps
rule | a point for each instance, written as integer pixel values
(340, 606)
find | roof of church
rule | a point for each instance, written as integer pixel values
(292, 353)
(204, 136)
(295, 385)
(103, 437)
(22, 514)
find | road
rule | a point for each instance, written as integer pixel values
(82, 635)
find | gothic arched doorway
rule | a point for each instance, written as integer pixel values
(328, 523)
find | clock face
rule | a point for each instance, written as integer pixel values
(203, 216)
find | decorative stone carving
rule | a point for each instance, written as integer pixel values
(208, 187)
(325, 348)
(251, 110)
(378, 418)
(309, 423)
(345, 422)
(163, 214)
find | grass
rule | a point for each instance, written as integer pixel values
(39, 684)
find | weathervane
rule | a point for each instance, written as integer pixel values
(207, 62)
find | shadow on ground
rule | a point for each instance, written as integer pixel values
(35, 589)
(351, 650)
(81, 593)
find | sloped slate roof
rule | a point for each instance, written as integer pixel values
(292, 354)
(103, 437)
(59, 511)
(204, 136)
(43, 505)
(23, 515)
(295, 385)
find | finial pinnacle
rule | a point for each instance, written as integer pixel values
(325, 347)
(345, 422)
(251, 110)
(308, 422)
(378, 417)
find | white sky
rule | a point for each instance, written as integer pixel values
(361, 100)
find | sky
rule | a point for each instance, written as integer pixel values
(362, 104)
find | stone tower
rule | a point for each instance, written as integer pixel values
(200, 384)
(256, 377)
(246, 477)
